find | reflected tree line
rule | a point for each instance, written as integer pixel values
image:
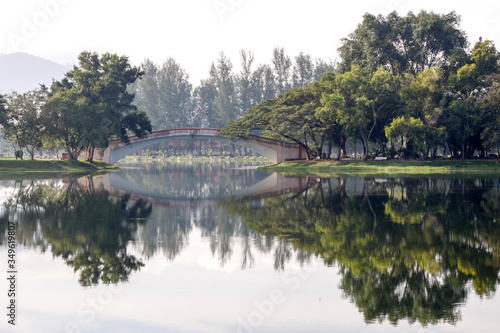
(90, 228)
(411, 248)
(80, 224)
(169, 228)
(406, 248)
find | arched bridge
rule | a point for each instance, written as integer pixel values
(275, 150)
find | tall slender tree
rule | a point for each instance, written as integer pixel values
(282, 67)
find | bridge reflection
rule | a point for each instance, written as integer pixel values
(273, 185)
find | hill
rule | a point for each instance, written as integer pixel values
(22, 72)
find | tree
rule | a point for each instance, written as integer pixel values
(244, 83)
(303, 70)
(147, 92)
(321, 67)
(263, 84)
(290, 116)
(490, 109)
(225, 103)
(22, 122)
(282, 66)
(3, 109)
(204, 99)
(356, 101)
(468, 87)
(424, 98)
(98, 88)
(69, 120)
(410, 131)
(174, 96)
(407, 44)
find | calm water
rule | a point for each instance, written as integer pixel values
(225, 248)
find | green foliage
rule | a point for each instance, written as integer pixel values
(408, 44)
(21, 121)
(70, 120)
(91, 104)
(404, 79)
(136, 122)
(410, 131)
(490, 112)
(359, 101)
(3, 110)
(164, 93)
(291, 116)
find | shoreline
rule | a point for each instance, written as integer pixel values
(13, 166)
(391, 167)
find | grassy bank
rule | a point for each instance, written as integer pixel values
(393, 167)
(11, 165)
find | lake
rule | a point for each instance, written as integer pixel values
(224, 247)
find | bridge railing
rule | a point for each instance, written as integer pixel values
(202, 132)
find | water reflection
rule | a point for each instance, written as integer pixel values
(190, 180)
(80, 224)
(409, 248)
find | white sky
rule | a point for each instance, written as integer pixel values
(194, 32)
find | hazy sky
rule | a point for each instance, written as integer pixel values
(194, 32)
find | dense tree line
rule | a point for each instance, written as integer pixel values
(89, 106)
(100, 99)
(406, 86)
(171, 101)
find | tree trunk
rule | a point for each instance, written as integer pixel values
(343, 151)
(31, 152)
(329, 150)
(90, 153)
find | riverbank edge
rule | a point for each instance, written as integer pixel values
(392, 167)
(11, 165)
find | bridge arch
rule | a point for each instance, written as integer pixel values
(275, 150)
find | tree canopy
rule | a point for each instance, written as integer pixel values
(92, 105)
(408, 82)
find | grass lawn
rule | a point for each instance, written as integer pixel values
(393, 167)
(11, 165)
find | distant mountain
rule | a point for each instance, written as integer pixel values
(22, 72)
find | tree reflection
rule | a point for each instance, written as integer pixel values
(82, 225)
(406, 248)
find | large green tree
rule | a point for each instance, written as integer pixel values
(490, 109)
(70, 121)
(356, 100)
(290, 116)
(21, 122)
(97, 86)
(424, 99)
(468, 86)
(408, 44)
